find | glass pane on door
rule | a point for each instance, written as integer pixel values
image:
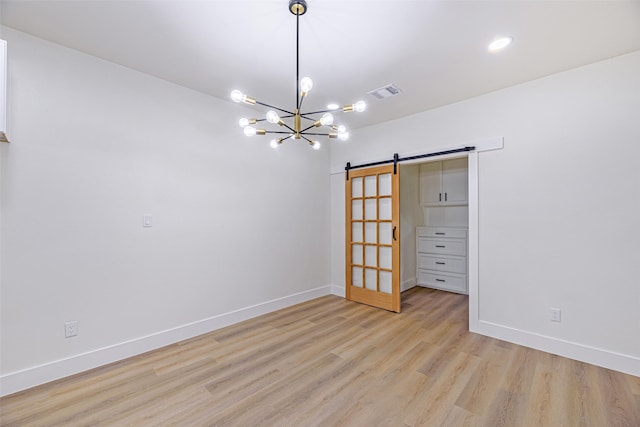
(385, 260)
(370, 232)
(385, 234)
(356, 232)
(370, 258)
(356, 187)
(371, 279)
(370, 188)
(356, 277)
(370, 208)
(385, 208)
(386, 280)
(384, 184)
(356, 209)
(356, 254)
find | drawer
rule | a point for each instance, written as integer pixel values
(455, 283)
(442, 232)
(453, 265)
(442, 246)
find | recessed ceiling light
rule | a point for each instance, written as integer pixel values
(500, 43)
(333, 106)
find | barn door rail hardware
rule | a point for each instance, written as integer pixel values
(396, 159)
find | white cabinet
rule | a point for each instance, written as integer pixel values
(442, 258)
(444, 183)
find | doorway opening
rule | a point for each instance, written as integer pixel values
(434, 224)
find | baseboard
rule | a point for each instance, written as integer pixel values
(37, 375)
(338, 290)
(408, 284)
(583, 353)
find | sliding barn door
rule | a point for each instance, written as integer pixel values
(373, 237)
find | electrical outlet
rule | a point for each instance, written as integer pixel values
(556, 315)
(71, 329)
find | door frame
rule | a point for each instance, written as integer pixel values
(472, 233)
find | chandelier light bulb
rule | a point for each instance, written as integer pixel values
(360, 106)
(272, 117)
(343, 136)
(327, 119)
(243, 122)
(236, 95)
(274, 143)
(249, 130)
(315, 145)
(306, 84)
(342, 128)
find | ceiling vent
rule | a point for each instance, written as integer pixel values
(385, 92)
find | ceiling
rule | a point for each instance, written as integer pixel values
(434, 51)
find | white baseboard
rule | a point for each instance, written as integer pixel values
(338, 290)
(408, 284)
(583, 353)
(31, 377)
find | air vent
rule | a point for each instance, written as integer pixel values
(385, 92)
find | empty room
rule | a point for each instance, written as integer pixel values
(319, 213)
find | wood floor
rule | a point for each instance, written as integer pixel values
(330, 362)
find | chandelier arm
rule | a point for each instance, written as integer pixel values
(314, 133)
(323, 111)
(310, 141)
(308, 118)
(275, 108)
(277, 131)
(307, 128)
(288, 127)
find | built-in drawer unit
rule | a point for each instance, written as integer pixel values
(440, 263)
(441, 232)
(447, 282)
(443, 246)
(442, 258)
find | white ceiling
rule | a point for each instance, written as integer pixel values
(434, 51)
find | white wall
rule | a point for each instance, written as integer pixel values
(558, 206)
(411, 216)
(94, 147)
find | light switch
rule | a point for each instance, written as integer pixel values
(146, 220)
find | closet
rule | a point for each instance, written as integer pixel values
(441, 242)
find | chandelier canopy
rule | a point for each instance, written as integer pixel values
(315, 119)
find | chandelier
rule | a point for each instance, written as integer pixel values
(297, 129)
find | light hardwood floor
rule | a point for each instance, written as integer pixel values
(331, 362)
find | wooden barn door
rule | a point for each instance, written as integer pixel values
(373, 237)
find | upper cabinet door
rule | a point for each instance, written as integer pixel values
(455, 181)
(431, 183)
(444, 183)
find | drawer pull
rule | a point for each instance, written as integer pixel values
(440, 280)
(440, 246)
(440, 197)
(440, 234)
(440, 263)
